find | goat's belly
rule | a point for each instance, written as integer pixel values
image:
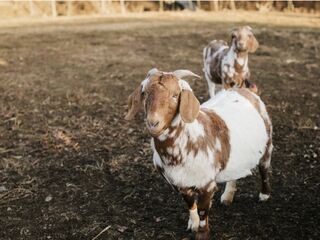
(248, 137)
(248, 144)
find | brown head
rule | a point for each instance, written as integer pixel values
(244, 40)
(163, 96)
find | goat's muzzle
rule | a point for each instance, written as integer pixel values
(241, 46)
(154, 125)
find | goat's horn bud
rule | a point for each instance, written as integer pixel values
(185, 73)
(152, 71)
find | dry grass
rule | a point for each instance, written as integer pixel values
(139, 20)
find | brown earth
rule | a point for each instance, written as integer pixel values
(71, 166)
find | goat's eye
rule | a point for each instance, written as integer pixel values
(175, 97)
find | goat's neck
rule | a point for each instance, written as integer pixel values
(173, 131)
(237, 59)
(171, 144)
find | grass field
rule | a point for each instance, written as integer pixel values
(71, 166)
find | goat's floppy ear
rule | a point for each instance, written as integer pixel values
(233, 31)
(189, 106)
(134, 103)
(253, 44)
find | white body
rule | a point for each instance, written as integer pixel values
(248, 138)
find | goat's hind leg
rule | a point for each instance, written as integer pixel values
(264, 169)
(228, 194)
(189, 197)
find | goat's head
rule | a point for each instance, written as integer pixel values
(163, 96)
(244, 40)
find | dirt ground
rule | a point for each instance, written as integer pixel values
(71, 166)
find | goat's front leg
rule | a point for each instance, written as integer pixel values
(189, 197)
(204, 204)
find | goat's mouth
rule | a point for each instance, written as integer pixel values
(241, 49)
(156, 132)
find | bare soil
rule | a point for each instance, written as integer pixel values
(71, 166)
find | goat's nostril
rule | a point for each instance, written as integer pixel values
(153, 123)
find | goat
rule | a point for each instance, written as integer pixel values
(229, 65)
(195, 147)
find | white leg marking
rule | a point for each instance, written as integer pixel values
(202, 223)
(263, 197)
(194, 220)
(228, 194)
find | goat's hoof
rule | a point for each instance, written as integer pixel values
(226, 199)
(226, 202)
(263, 197)
(193, 224)
(203, 234)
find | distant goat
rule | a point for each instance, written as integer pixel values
(229, 65)
(195, 147)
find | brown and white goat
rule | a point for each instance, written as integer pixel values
(229, 65)
(195, 147)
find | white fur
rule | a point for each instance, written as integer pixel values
(164, 135)
(194, 220)
(248, 135)
(156, 158)
(212, 87)
(248, 138)
(263, 197)
(217, 145)
(212, 186)
(144, 84)
(184, 85)
(202, 223)
(229, 191)
(207, 58)
(195, 130)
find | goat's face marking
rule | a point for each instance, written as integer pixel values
(163, 96)
(161, 101)
(244, 40)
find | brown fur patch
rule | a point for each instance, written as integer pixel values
(188, 195)
(251, 98)
(189, 106)
(162, 147)
(215, 129)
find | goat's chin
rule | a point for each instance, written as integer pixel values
(242, 50)
(156, 133)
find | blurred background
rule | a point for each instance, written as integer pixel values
(55, 8)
